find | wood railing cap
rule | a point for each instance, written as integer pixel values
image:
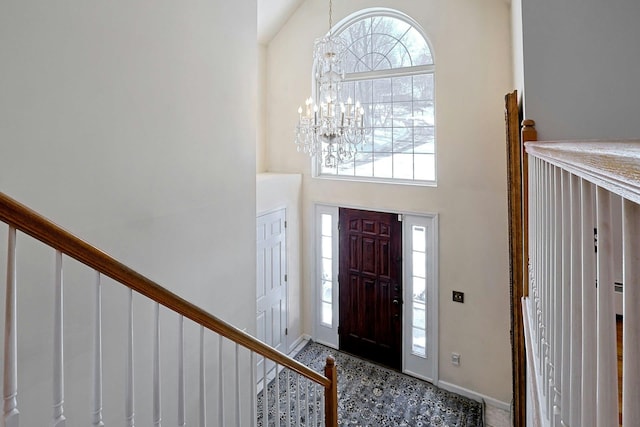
(613, 164)
(37, 226)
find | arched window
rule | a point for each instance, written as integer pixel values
(389, 68)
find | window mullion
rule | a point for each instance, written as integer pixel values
(394, 72)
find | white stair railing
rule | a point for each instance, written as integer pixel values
(237, 351)
(574, 191)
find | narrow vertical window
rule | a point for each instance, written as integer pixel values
(326, 275)
(326, 267)
(418, 275)
(421, 296)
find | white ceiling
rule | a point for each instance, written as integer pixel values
(272, 14)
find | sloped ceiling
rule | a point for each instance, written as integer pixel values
(272, 14)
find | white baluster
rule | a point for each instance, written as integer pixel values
(576, 303)
(11, 414)
(157, 392)
(276, 395)
(324, 415)
(253, 386)
(265, 395)
(534, 247)
(307, 403)
(535, 206)
(288, 398)
(96, 413)
(545, 279)
(203, 382)
(546, 235)
(607, 388)
(220, 383)
(555, 326)
(589, 344)
(298, 399)
(129, 393)
(59, 419)
(565, 285)
(237, 403)
(321, 405)
(315, 404)
(631, 315)
(181, 397)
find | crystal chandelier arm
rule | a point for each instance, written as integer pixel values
(339, 131)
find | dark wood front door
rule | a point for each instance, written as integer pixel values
(370, 319)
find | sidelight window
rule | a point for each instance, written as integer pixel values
(326, 267)
(418, 280)
(421, 296)
(326, 274)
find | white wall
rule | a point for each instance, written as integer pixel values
(261, 135)
(282, 191)
(517, 47)
(472, 48)
(133, 125)
(581, 64)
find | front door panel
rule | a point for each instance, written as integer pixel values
(370, 315)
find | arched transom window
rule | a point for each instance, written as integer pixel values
(389, 68)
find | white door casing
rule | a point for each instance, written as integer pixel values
(420, 262)
(271, 285)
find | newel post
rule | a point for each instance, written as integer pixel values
(331, 394)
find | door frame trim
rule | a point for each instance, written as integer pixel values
(430, 217)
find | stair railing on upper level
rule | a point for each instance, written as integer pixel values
(579, 194)
(20, 218)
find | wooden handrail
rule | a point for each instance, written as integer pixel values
(614, 165)
(35, 225)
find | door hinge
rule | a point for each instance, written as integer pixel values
(285, 224)
(285, 277)
(399, 217)
(286, 331)
(339, 330)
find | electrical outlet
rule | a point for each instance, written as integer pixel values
(455, 359)
(458, 296)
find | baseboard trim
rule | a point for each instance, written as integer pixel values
(326, 344)
(475, 396)
(296, 343)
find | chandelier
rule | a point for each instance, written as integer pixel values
(330, 125)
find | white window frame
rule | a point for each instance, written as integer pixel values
(324, 333)
(421, 367)
(316, 168)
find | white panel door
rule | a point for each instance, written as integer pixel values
(271, 282)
